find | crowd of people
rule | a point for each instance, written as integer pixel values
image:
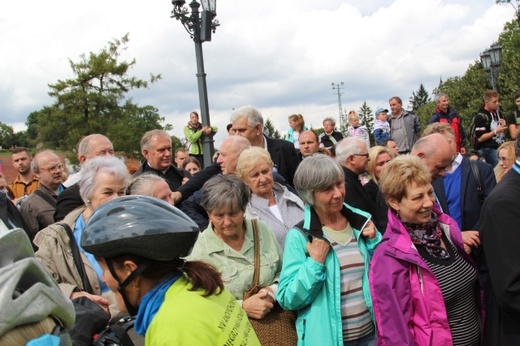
(389, 237)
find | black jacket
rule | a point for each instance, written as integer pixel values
(173, 175)
(356, 196)
(284, 157)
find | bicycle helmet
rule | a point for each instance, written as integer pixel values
(139, 225)
(28, 294)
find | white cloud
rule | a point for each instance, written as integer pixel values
(278, 55)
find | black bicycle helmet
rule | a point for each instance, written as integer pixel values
(139, 225)
(28, 294)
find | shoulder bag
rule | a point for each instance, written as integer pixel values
(278, 326)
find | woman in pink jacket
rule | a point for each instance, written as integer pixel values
(424, 286)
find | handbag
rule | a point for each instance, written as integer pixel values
(278, 327)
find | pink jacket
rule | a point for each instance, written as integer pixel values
(408, 303)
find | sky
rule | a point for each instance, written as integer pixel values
(279, 56)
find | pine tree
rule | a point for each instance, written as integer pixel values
(270, 130)
(419, 98)
(365, 116)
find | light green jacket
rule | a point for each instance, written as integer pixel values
(194, 137)
(187, 318)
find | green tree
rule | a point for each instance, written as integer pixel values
(419, 98)
(95, 101)
(365, 116)
(6, 136)
(270, 130)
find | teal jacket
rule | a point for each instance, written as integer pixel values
(313, 289)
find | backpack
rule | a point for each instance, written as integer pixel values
(470, 132)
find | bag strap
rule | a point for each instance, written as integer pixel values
(256, 275)
(77, 257)
(476, 175)
(46, 198)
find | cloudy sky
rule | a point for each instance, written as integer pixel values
(280, 56)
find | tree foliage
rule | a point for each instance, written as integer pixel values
(365, 115)
(95, 101)
(270, 130)
(419, 98)
(6, 136)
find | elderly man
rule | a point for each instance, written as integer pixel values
(149, 184)
(500, 237)
(156, 147)
(352, 155)
(26, 182)
(89, 147)
(230, 151)
(445, 114)
(38, 209)
(404, 126)
(248, 122)
(309, 143)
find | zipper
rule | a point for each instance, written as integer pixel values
(419, 273)
(303, 334)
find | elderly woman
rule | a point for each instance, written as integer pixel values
(270, 201)
(102, 179)
(150, 184)
(378, 158)
(228, 244)
(326, 260)
(139, 242)
(424, 286)
(506, 159)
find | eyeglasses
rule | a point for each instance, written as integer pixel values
(503, 159)
(53, 169)
(365, 155)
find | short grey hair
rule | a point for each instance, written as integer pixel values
(110, 164)
(348, 147)
(329, 119)
(142, 184)
(253, 115)
(316, 173)
(147, 138)
(35, 165)
(224, 192)
(438, 97)
(85, 144)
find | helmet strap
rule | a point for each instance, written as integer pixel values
(141, 267)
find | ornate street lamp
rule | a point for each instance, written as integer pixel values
(491, 59)
(199, 26)
(338, 87)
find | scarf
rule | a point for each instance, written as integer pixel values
(151, 303)
(195, 127)
(429, 236)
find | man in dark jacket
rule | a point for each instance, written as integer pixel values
(500, 237)
(156, 147)
(248, 122)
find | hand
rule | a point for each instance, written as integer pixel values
(369, 231)
(318, 249)
(259, 305)
(471, 239)
(176, 196)
(104, 303)
(184, 181)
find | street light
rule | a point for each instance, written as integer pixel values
(491, 59)
(338, 87)
(199, 28)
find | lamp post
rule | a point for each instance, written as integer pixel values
(199, 26)
(491, 59)
(338, 87)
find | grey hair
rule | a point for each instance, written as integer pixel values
(224, 192)
(85, 145)
(438, 97)
(147, 137)
(348, 147)
(110, 164)
(424, 145)
(239, 143)
(316, 173)
(253, 115)
(35, 166)
(142, 184)
(329, 119)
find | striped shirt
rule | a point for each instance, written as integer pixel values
(355, 317)
(458, 281)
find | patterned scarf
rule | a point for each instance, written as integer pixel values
(195, 127)
(429, 236)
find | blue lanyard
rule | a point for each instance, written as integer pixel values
(516, 167)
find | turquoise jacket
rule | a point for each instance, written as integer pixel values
(313, 289)
(290, 134)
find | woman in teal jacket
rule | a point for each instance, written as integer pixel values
(326, 261)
